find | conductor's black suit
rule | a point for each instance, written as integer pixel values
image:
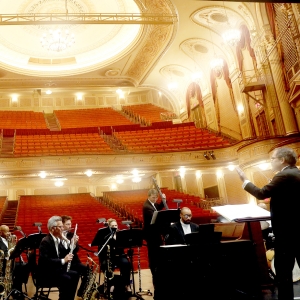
(284, 190)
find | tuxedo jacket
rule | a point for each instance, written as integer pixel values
(49, 261)
(176, 233)
(284, 190)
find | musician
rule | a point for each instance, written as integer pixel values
(20, 271)
(76, 264)
(117, 257)
(179, 229)
(53, 261)
(152, 238)
(284, 207)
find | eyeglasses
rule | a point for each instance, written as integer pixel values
(187, 216)
(59, 226)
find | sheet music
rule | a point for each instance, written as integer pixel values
(242, 211)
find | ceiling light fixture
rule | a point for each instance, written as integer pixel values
(48, 92)
(58, 183)
(43, 174)
(136, 179)
(231, 36)
(57, 41)
(88, 173)
(216, 63)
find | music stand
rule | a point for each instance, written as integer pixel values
(19, 248)
(34, 240)
(129, 239)
(161, 221)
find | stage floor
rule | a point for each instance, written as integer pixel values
(146, 284)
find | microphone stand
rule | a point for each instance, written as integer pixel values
(130, 254)
(110, 236)
(97, 253)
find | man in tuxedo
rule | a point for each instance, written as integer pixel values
(53, 261)
(179, 229)
(20, 271)
(285, 208)
(151, 236)
(76, 264)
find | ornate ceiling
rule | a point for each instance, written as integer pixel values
(106, 57)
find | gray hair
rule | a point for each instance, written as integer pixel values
(289, 155)
(53, 222)
(152, 192)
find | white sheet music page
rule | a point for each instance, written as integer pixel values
(241, 211)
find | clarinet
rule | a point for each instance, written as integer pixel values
(72, 247)
(163, 199)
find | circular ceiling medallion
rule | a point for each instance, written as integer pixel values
(178, 73)
(112, 73)
(200, 48)
(218, 17)
(96, 45)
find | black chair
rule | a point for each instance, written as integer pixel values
(43, 285)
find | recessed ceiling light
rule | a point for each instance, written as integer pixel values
(48, 92)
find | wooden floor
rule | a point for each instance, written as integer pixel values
(144, 286)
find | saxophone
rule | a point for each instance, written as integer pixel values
(2, 283)
(8, 278)
(91, 288)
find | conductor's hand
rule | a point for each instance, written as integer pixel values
(241, 174)
(68, 257)
(164, 197)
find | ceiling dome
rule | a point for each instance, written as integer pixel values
(95, 45)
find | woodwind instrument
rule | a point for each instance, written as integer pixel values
(163, 198)
(72, 247)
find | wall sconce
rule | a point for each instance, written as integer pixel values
(205, 154)
(211, 153)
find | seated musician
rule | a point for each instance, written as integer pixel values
(20, 271)
(117, 258)
(179, 229)
(54, 259)
(76, 264)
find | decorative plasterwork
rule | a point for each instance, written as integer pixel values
(157, 41)
(219, 17)
(95, 46)
(62, 82)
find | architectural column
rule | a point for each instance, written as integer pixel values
(200, 184)
(183, 183)
(250, 199)
(276, 90)
(11, 194)
(222, 186)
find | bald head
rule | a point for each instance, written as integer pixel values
(4, 231)
(185, 215)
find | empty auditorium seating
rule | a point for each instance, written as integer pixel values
(22, 120)
(96, 117)
(147, 113)
(57, 143)
(167, 137)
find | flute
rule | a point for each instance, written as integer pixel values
(72, 246)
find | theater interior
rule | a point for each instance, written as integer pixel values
(102, 99)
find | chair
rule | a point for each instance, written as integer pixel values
(38, 279)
